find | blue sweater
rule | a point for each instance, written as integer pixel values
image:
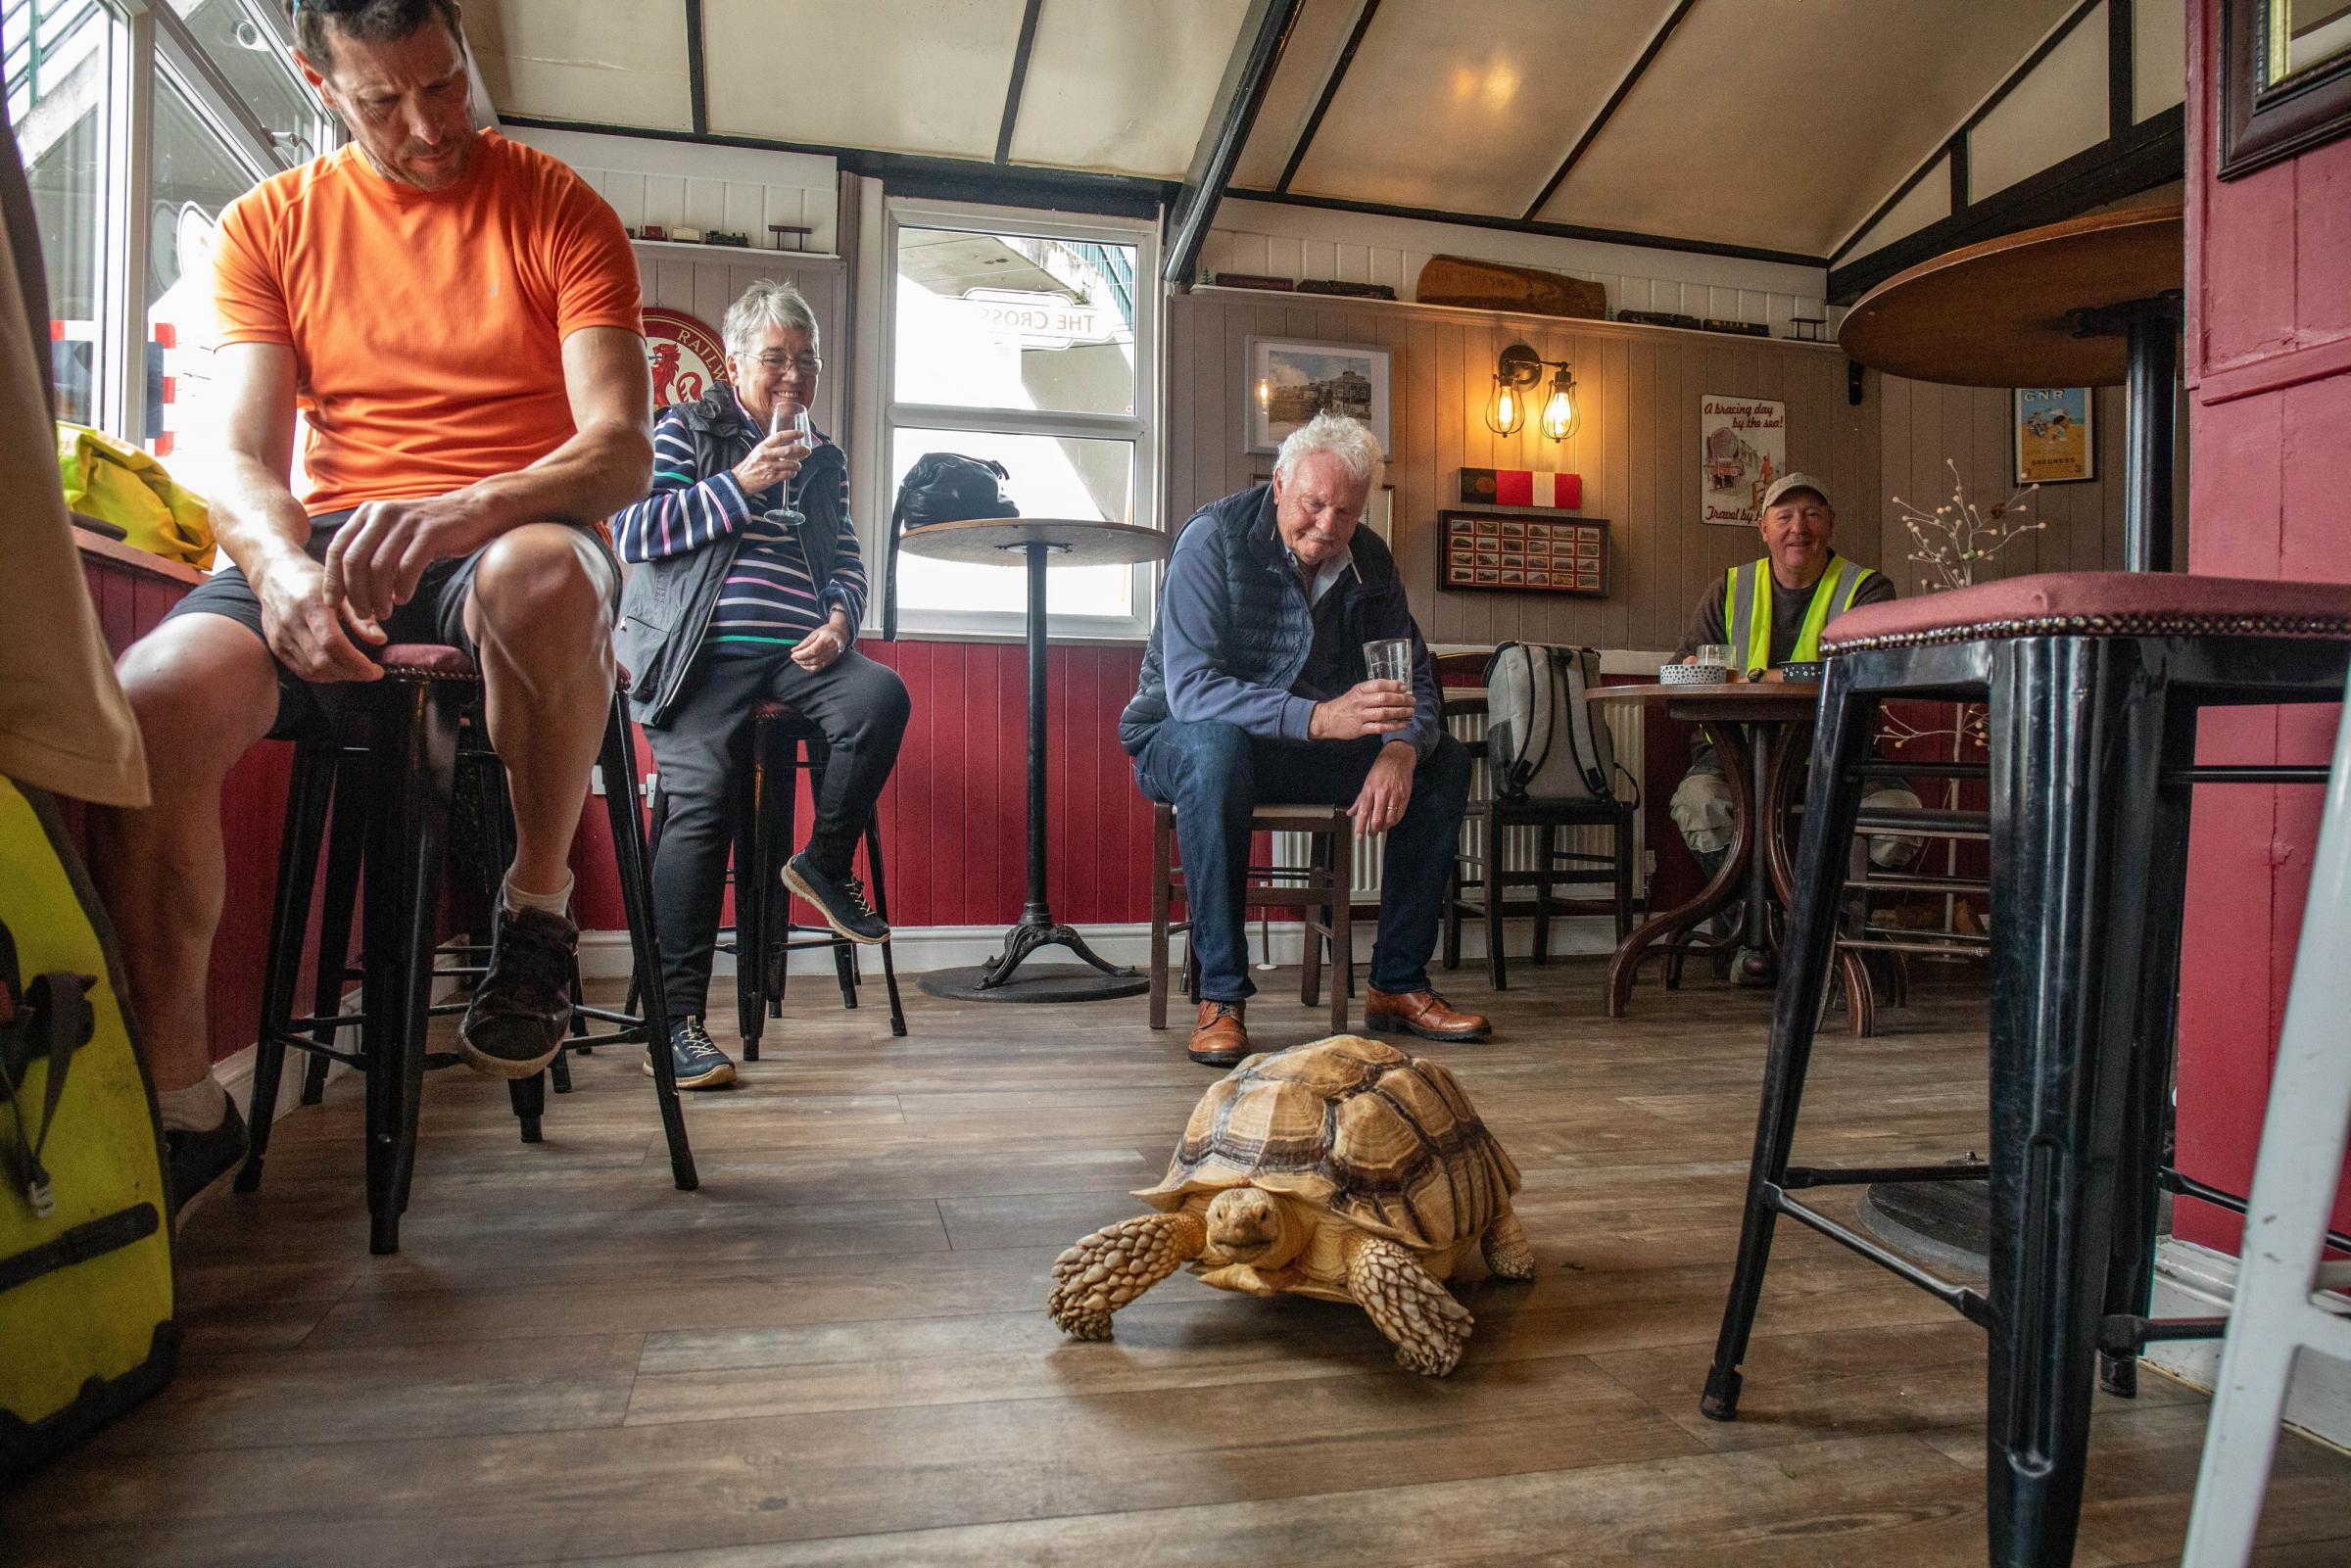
(1235, 632)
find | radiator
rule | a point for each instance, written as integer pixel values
(1520, 844)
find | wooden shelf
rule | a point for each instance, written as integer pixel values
(733, 253)
(1571, 324)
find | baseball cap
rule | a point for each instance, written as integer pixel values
(1793, 481)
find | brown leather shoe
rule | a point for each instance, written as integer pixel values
(1219, 1038)
(1421, 1013)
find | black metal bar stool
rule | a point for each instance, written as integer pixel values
(390, 772)
(783, 743)
(2093, 681)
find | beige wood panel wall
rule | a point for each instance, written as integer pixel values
(1636, 452)
(1925, 423)
(705, 289)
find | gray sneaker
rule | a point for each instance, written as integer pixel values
(695, 1057)
(839, 899)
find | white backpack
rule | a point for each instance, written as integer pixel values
(1542, 742)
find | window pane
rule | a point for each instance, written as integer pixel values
(59, 99)
(1010, 321)
(195, 176)
(1052, 476)
(247, 55)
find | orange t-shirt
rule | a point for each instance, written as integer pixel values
(427, 326)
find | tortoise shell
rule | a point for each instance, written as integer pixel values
(1381, 1139)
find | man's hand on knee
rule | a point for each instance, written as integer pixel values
(310, 629)
(1387, 791)
(379, 555)
(1374, 707)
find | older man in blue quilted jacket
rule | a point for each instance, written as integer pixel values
(1255, 690)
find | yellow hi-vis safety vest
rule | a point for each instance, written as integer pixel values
(1746, 608)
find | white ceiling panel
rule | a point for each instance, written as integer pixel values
(612, 62)
(1124, 88)
(1316, 38)
(1470, 107)
(1782, 126)
(896, 76)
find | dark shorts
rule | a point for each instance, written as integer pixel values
(435, 613)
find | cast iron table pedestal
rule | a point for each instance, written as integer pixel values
(1044, 542)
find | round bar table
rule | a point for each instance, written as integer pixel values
(2088, 302)
(1041, 544)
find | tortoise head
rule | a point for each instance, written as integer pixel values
(1250, 1225)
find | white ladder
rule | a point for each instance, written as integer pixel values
(2288, 1298)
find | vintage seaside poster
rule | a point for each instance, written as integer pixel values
(1743, 447)
(2054, 439)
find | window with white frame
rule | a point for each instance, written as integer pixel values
(65, 103)
(208, 90)
(1030, 340)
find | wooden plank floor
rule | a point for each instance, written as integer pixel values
(836, 1352)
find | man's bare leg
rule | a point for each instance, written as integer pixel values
(205, 691)
(540, 615)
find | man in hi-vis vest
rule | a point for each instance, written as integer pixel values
(1771, 612)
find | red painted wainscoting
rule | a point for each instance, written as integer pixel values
(2269, 366)
(954, 816)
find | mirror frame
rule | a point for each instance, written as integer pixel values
(2263, 122)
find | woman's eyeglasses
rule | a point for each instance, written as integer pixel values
(807, 364)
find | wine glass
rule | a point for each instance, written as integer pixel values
(792, 418)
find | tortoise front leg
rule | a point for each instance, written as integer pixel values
(1117, 1263)
(1411, 1308)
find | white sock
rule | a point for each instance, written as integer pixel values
(556, 903)
(199, 1108)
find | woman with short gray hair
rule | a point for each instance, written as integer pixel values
(748, 588)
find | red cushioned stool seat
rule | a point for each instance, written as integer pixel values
(2100, 604)
(432, 660)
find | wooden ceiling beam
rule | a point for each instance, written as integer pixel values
(1247, 75)
(1624, 88)
(1020, 79)
(1330, 90)
(698, 84)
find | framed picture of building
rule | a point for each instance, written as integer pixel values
(2055, 443)
(1292, 381)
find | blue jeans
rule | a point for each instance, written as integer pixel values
(1215, 774)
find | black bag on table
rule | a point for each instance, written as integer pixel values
(943, 487)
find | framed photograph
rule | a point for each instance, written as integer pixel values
(1524, 555)
(1291, 381)
(2055, 443)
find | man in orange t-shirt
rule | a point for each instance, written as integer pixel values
(456, 315)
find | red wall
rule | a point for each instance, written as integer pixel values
(2269, 366)
(954, 819)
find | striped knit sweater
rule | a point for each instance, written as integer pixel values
(768, 600)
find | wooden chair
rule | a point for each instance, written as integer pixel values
(1553, 867)
(1320, 886)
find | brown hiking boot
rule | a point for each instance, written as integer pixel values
(1421, 1013)
(1220, 1040)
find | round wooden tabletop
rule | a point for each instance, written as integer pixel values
(1995, 314)
(1003, 541)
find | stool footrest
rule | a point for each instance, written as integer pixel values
(1967, 1302)
(1801, 1178)
(2172, 1181)
(1923, 822)
(2122, 1334)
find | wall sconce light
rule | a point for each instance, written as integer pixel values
(1517, 375)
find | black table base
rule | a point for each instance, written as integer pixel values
(1034, 982)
